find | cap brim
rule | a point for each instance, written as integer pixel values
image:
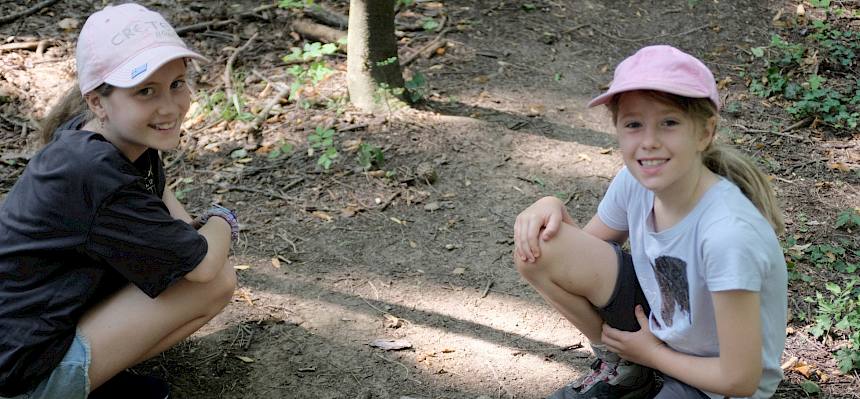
(137, 69)
(656, 86)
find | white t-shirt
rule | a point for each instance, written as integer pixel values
(724, 243)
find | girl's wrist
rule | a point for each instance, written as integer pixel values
(222, 213)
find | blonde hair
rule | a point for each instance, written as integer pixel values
(723, 160)
(71, 104)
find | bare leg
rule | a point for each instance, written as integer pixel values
(130, 327)
(575, 272)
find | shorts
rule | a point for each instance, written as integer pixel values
(70, 379)
(619, 311)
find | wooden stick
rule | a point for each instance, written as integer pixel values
(319, 32)
(204, 25)
(31, 10)
(264, 114)
(327, 16)
(19, 46)
(228, 74)
(434, 44)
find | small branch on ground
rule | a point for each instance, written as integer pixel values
(210, 24)
(327, 16)
(749, 130)
(315, 31)
(22, 14)
(432, 46)
(228, 74)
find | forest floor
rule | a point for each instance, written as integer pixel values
(331, 261)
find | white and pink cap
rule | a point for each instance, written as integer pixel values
(662, 68)
(122, 45)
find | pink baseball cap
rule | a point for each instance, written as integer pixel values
(122, 45)
(662, 68)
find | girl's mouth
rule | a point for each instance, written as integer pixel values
(652, 162)
(163, 126)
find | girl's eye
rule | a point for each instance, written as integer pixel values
(177, 84)
(670, 122)
(146, 92)
(632, 125)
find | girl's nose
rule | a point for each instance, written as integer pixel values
(650, 139)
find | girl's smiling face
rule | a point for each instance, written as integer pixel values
(661, 145)
(148, 115)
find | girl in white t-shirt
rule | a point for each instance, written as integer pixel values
(701, 297)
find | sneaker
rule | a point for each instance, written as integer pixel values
(618, 380)
(126, 385)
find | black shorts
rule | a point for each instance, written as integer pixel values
(619, 311)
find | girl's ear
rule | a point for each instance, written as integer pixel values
(94, 102)
(709, 134)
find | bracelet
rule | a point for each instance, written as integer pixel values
(223, 213)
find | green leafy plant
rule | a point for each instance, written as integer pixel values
(295, 4)
(281, 148)
(416, 87)
(429, 24)
(322, 140)
(369, 156)
(848, 219)
(309, 66)
(839, 314)
(783, 72)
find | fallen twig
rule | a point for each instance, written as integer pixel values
(487, 288)
(228, 74)
(749, 130)
(31, 10)
(388, 202)
(319, 32)
(327, 16)
(264, 113)
(20, 46)
(217, 23)
(434, 44)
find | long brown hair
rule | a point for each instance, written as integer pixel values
(721, 159)
(71, 104)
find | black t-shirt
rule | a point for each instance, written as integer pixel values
(80, 223)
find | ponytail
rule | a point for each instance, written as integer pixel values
(741, 171)
(721, 159)
(70, 105)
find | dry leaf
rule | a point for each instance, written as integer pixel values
(242, 267)
(802, 368)
(458, 271)
(391, 344)
(276, 263)
(448, 350)
(392, 321)
(839, 166)
(322, 216)
(584, 157)
(605, 150)
(245, 359)
(396, 220)
(69, 24)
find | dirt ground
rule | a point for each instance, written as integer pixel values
(331, 261)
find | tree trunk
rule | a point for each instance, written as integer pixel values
(372, 68)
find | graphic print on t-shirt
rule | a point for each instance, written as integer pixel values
(672, 278)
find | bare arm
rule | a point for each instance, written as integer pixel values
(736, 372)
(216, 231)
(597, 228)
(175, 207)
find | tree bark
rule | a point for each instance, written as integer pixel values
(372, 62)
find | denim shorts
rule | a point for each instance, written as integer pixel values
(70, 379)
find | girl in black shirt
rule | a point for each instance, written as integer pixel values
(101, 267)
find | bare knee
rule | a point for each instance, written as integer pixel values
(539, 268)
(221, 287)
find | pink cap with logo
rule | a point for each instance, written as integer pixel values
(122, 45)
(662, 68)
